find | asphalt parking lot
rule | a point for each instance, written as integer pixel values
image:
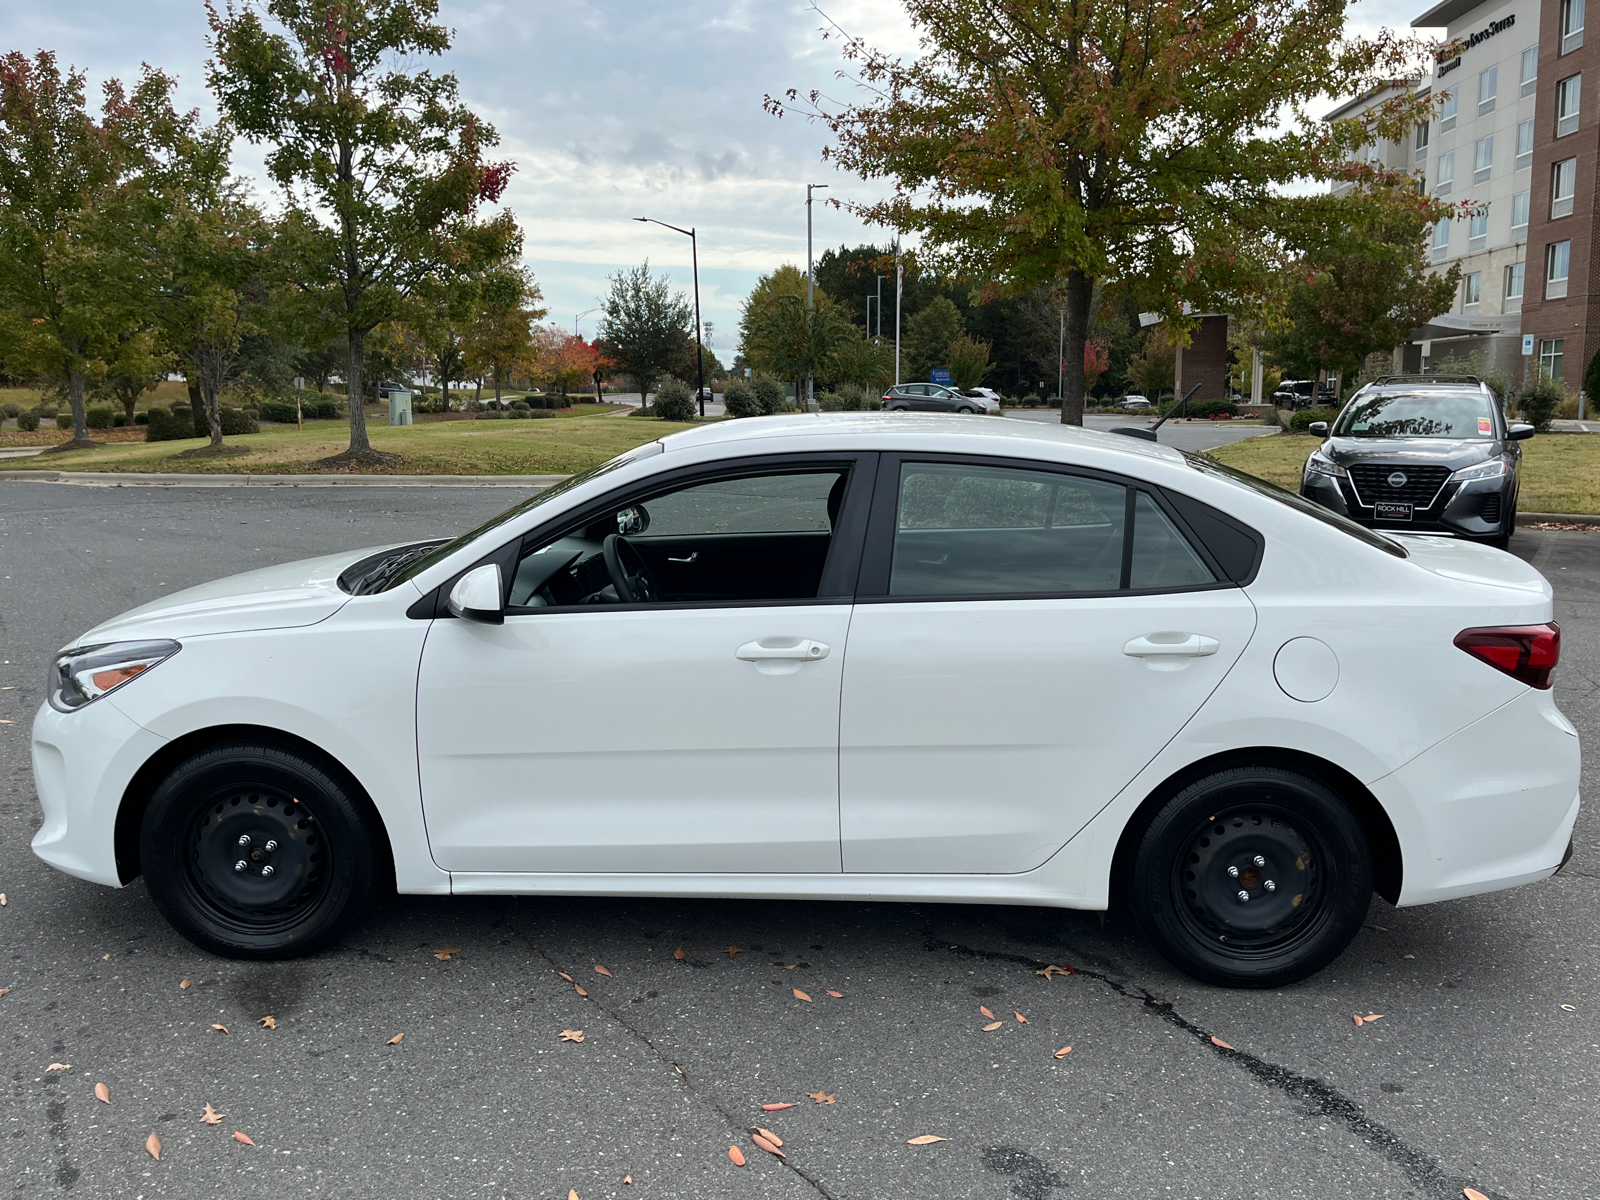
(1482, 1072)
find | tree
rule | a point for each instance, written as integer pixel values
(137, 366)
(644, 327)
(796, 342)
(379, 160)
(867, 362)
(501, 334)
(1038, 142)
(968, 359)
(787, 280)
(1154, 370)
(926, 343)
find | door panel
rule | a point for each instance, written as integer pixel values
(633, 741)
(980, 736)
(724, 566)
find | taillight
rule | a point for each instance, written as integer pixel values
(1525, 652)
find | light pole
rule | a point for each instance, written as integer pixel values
(881, 278)
(869, 314)
(580, 317)
(699, 359)
(1061, 360)
(899, 287)
(810, 187)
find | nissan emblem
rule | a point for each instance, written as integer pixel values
(1398, 479)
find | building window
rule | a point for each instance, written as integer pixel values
(1550, 356)
(1557, 265)
(1567, 95)
(1441, 238)
(1571, 25)
(1478, 228)
(1482, 159)
(1530, 70)
(1488, 89)
(1514, 277)
(1525, 144)
(1563, 183)
(1519, 210)
(1422, 141)
(1471, 292)
(1446, 178)
(1447, 111)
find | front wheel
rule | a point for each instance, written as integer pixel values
(1252, 877)
(255, 851)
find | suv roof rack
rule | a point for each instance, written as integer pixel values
(1427, 377)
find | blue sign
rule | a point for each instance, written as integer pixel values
(939, 375)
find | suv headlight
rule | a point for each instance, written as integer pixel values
(80, 675)
(1492, 469)
(1317, 465)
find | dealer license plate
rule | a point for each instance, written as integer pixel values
(1393, 512)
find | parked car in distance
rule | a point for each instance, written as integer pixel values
(1421, 454)
(1323, 711)
(388, 385)
(987, 398)
(1296, 394)
(929, 397)
(1135, 401)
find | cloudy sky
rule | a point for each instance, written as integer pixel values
(612, 109)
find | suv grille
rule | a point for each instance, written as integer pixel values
(1421, 486)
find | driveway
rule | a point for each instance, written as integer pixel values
(1482, 1071)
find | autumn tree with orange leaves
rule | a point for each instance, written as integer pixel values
(1143, 145)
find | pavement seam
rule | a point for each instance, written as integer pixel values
(705, 1096)
(1313, 1097)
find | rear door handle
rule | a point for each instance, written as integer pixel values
(1171, 645)
(782, 650)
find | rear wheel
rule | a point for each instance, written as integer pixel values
(254, 851)
(1252, 877)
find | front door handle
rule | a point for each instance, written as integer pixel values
(688, 559)
(1171, 645)
(782, 650)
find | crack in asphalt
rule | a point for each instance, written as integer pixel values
(704, 1095)
(1312, 1097)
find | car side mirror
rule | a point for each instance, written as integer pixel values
(633, 520)
(1320, 428)
(478, 596)
(1517, 433)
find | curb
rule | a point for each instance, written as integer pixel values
(1531, 518)
(154, 479)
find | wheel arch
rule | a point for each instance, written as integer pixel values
(136, 796)
(1387, 859)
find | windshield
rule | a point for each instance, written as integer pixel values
(1326, 515)
(516, 510)
(1433, 413)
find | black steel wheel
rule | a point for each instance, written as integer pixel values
(1252, 877)
(254, 851)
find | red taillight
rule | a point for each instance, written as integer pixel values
(1525, 652)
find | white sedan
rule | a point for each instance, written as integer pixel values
(839, 657)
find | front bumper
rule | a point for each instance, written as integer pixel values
(1478, 508)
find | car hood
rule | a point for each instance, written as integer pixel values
(281, 597)
(1454, 453)
(1473, 562)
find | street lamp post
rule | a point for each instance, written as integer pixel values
(699, 358)
(580, 317)
(810, 187)
(881, 278)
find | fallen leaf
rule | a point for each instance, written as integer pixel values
(767, 1145)
(989, 1016)
(824, 1097)
(1409, 956)
(59, 1067)
(836, 995)
(268, 1022)
(992, 1026)
(184, 986)
(444, 953)
(1216, 1041)
(1021, 1020)
(1564, 1007)
(926, 1139)
(775, 1107)
(769, 1135)
(220, 1028)
(1371, 1017)
(152, 1147)
(1473, 1194)
(211, 1116)
(1357, 1019)
(572, 1194)
(572, 1035)
(102, 1093)
(678, 954)
(1064, 1051)
(627, 1179)
(5, 991)
(736, 1156)
(242, 1138)
(790, 966)
(105, 958)
(395, 1040)
(602, 971)
(799, 995)
(732, 950)
(565, 976)
(1052, 970)
(580, 991)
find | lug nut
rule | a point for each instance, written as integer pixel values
(1234, 871)
(270, 846)
(266, 870)
(1270, 886)
(1244, 897)
(240, 865)
(1259, 861)
(244, 839)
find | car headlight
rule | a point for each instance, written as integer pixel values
(1492, 469)
(1316, 465)
(80, 675)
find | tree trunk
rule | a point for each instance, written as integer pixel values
(497, 387)
(357, 387)
(80, 423)
(444, 395)
(213, 419)
(127, 410)
(197, 407)
(1079, 289)
(477, 392)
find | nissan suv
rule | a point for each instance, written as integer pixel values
(1421, 454)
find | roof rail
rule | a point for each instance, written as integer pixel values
(1427, 377)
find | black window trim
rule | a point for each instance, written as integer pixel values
(872, 586)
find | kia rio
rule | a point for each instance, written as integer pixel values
(839, 657)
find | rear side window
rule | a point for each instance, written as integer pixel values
(997, 531)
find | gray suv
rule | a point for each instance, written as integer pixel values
(928, 397)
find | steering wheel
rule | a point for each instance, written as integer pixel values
(629, 575)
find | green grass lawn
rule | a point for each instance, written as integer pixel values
(537, 447)
(1560, 471)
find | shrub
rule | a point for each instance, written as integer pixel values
(523, 405)
(324, 410)
(1541, 400)
(520, 414)
(119, 420)
(491, 414)
(675, 400)
(28, 421)
(63, 421)
(276, 410)
(11, 410)
(1301, 421)
(236, 421)
(98, 418)
(769, 395)
(168, 425)
(47, 411)
(141, 418)
(847, 397)
(740, 400)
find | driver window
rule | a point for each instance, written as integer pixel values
(738, 540)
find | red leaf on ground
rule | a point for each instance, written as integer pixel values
(775, 1107)
(1216, 1041)
(736, 1156)
(767, 1146)
(242, 1138)
(799, 995)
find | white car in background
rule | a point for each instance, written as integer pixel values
(1323, 711)
(988, 398)
(1135, 401)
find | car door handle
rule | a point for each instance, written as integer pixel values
(1171, 645)
(782, 650)
(689, 559)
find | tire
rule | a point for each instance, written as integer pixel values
(310, 864)
(965, 411)
(1313, 850)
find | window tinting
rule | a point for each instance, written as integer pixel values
(1161, 556)
(764, 504)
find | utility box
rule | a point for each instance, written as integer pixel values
(399, 407)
